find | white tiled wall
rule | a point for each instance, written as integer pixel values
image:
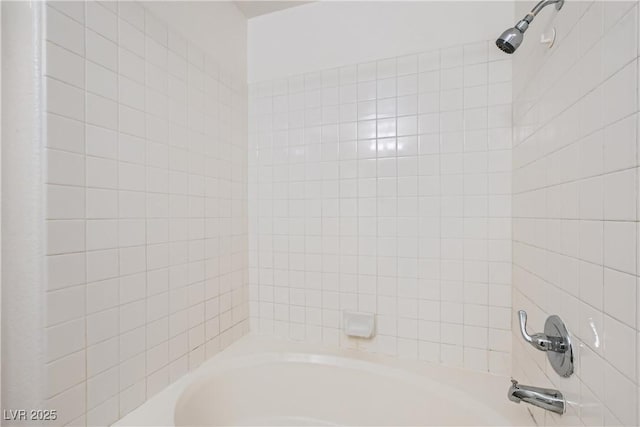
(382, 187)
(575, 205)
(146, 213)
(385, 187)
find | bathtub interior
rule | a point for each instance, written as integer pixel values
(285, 388)
(294, 393)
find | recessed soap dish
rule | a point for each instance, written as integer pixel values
(358, 324)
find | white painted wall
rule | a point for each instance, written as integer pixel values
(0, 212)
(329, 34)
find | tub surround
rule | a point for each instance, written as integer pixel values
(145, 212)
(575, 198)
(384, 187)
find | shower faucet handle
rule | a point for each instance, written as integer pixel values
(539, 341)
(555, 341)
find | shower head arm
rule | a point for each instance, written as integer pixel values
(542, 4)
(523, 24)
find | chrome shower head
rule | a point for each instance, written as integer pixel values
(511, 39)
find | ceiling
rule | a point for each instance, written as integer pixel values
(251, 9)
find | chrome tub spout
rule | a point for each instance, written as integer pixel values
(545, 398)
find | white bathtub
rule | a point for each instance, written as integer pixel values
(260, 381)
